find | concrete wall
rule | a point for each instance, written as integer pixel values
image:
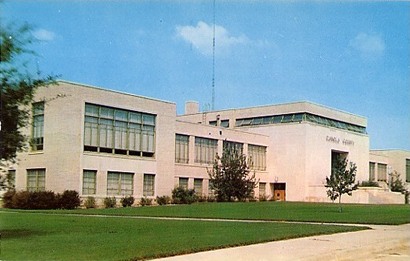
(63, 156)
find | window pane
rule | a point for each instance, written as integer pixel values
(198, 186)
(149, 185)
(118, 131)
(89, 182)
(36, 179)
(183, 182)
(181, 148)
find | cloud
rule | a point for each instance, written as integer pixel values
(200, 36)
(44, 35)
(369, 46)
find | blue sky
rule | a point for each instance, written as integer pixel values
(352, 56)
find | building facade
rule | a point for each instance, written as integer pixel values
(106, 143)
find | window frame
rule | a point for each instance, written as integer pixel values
(39, 176)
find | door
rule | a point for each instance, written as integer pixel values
(279, 191)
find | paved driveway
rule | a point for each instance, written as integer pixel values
(379, 243)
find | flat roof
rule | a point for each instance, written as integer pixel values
(114, 91)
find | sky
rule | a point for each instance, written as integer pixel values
(348, 55)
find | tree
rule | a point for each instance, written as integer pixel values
(230, 176)
(16, 90)
(341, 180)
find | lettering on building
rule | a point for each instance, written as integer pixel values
(336, 140)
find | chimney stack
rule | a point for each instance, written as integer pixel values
(191, 107)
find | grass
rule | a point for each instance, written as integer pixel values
(40, 236)
(118, 235)
(277, 211)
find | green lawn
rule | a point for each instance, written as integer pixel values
(39, 236)
(289, 211)
(118, 235)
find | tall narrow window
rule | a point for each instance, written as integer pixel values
(89, 182)
(181, 148)
(262, 189)
(37, 140)
(11, 179)
(205, 150)
(372, 171)
(381, 172)
(183, 182)
(408, 170)
(149, 185)
(120, 183)
(198, 186)
(257, 157)
(36, 180)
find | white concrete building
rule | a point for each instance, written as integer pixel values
(106, 143)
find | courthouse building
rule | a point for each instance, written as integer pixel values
(106, 143)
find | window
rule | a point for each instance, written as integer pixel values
(225, 123)
(149, 185)
(372, 171)
(198, 186)
(181, 148)
(118, 131)
(36, 180)
(37, 139)
(205, 150)
(233, 146)
(119, 183)
(381, 172)
(89, 182)
(183, 182)
(262, 189)
(407, 170)
(211, 191)
(257, 157)
(11, 178)
(298, 117)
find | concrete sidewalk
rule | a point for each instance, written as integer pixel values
(379, 243)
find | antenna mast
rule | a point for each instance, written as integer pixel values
(213, 60)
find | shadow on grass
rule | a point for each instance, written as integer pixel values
(18, 233)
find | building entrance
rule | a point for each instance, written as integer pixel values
(279, 191)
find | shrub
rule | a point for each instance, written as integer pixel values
(110, 202)
(8, 198)
(89, 202)
(369, 184)
(202, 198)
(69, 199)
(146, 202)
(211, 199)
(164, 200)
(127, 201)
(182, 195)
(263, 198)
(42, 200)
(21, 200)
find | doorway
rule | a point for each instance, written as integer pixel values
(279, 191)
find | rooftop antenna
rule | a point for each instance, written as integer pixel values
(213, 60)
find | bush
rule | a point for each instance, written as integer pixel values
(89, 202)
(21, 200)
(110, 202)
(146, 202)
(164, 200)
(8, 198)
(70, 199)
(182, 195)
(127, 201)
(369, 184)
(43, 200)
